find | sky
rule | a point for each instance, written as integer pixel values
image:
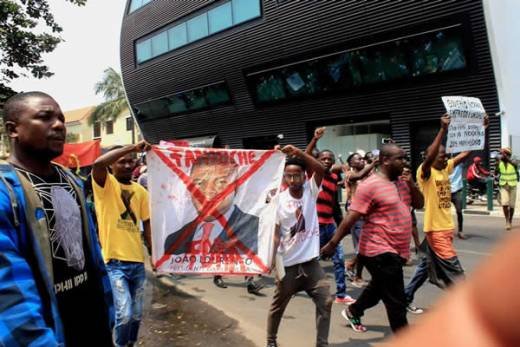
(91, 45)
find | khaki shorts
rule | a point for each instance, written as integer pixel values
(508, 196)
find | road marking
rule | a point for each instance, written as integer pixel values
(472, 252)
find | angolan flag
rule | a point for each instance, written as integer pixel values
(211, 209)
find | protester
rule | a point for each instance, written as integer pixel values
(359, 170)
(327, 199)
(121, 206)
(384, 200)
(441, 263)
(457, 198)
(509, 177)
(299, 241)
(54, 288)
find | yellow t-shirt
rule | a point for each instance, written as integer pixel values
(120, 208)
(437, 198)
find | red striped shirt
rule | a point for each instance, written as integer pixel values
(388, 222)
(327, 198)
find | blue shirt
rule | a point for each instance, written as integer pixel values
(456, 179)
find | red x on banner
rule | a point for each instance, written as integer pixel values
(233, 247)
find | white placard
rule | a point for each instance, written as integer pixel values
(466, 131)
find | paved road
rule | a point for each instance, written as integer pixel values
(297, 328)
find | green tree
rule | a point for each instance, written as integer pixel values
(111, 86)
(22, 48)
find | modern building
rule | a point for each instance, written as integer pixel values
(122, 131)
(253, 73)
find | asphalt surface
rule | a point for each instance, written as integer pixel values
(245, 315)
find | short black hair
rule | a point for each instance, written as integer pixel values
(13, 105)
(349, 159)
(326, 151)
(295, 161)
(386, 150)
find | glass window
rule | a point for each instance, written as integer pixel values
(97, 130)
(177, 36)
(220, 18)
(217, 94)
(160, 44)
(437, 52)
(270, 87)
(135, 4)
(129, 123)
(195, 99)
(244, 10)
(191, 100)
(177, 104)
(109, 126)
(408, 58)
(302, 79)
(216, 19)
(144, 51)
(198, 27)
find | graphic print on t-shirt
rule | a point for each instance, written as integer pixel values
(126, 196)
(299, 226)
(443, 193)
(64, 222)
(67, 234)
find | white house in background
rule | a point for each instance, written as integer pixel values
(122, 131)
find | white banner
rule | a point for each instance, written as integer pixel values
(209, 209)
(466, 131)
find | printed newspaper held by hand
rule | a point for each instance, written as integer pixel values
(209, 211)
(466, 131)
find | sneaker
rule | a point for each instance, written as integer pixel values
(508, 226)
(354, 322)
(414, 310)
(254, 288)
(347, 300)
(272, 344)
(219, 282)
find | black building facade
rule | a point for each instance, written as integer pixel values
(259, 72)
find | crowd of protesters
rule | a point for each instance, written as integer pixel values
(58, 270)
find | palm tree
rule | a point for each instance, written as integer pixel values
(115, 101)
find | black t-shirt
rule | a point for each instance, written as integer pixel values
(78, 290)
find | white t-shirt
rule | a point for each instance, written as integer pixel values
(299, 228)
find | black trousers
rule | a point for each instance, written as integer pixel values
(387, 284)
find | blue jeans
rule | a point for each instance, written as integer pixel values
(338, 259)
(419, 277)
(127, 280)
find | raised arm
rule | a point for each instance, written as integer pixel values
(99, 169)
(433, 149)
(318, 134)
(314, 167)
(361, 174)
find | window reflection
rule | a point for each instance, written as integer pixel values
(407, 58)
(213, 20)
(191, 100)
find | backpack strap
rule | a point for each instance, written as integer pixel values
(36, 223)
(4, 166)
